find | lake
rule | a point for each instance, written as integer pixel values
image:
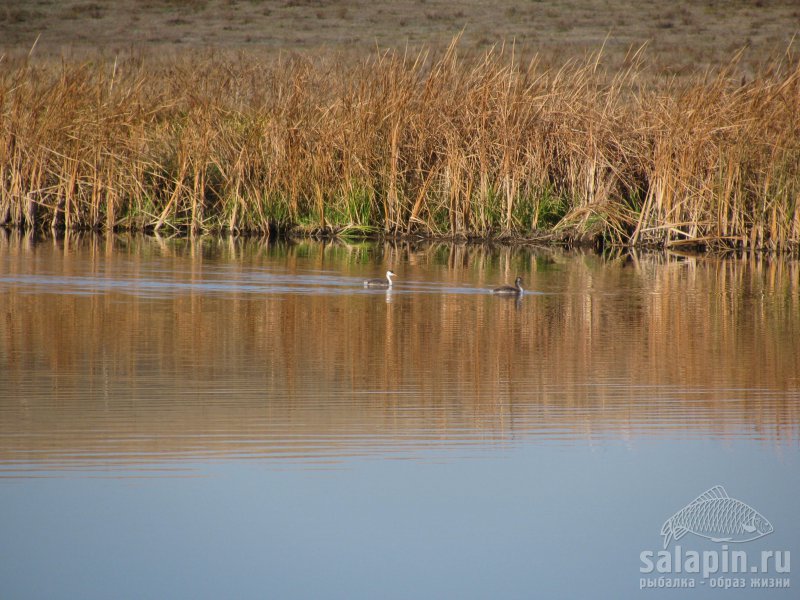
(218, 417)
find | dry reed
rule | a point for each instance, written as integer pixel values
(434, 145)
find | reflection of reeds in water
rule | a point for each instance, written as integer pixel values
(650, 345)
(432, 144)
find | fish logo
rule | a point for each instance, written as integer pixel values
(718, 517)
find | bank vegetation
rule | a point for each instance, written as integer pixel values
(427, 143)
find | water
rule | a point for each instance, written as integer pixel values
(219, 418)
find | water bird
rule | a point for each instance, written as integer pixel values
(508, 290)
(380, 283)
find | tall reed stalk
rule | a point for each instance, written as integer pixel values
(428, 144)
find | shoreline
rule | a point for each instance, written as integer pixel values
(545, 241)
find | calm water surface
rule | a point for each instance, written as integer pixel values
(215, 418)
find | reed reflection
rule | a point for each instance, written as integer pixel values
(128, 349)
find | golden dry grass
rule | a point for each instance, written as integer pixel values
(457, 141)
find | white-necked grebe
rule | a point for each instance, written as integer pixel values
(508, 290)
(380, 283)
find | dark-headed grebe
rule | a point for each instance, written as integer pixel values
(507, 290)
(380, 283)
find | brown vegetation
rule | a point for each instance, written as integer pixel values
(427, 143)
(683, 36)
(210, 115)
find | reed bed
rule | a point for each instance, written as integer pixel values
(423, 144)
